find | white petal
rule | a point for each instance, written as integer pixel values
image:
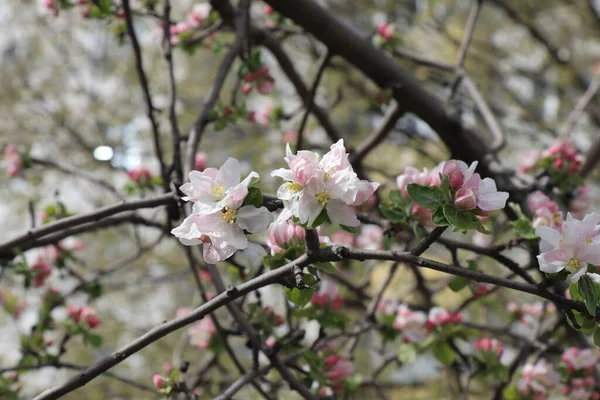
(285, 174)
(253, 219)
(550, 268)
(230, 173)
(187, 230)
(550, 238)
(342, 214)
(576, 276)
(308, 209)
(251, 178)
(234, 236)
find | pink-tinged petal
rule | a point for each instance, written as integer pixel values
(550, 238)
(234, 236)
(253, 219)
(471, 170)
(589, 254)
(576, 276)
(589, 224)
(550, 268)
(308, 209)
(489, 198)
(187, 232)
(235, 197)
(212, 254)
(285, 174)
(230, 173)
(251, 178)
(210, 224)
(342, 214)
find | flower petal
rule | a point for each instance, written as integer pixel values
(342, 214)
(253, 219)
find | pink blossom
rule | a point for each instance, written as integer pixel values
(202, 332)
(218, 218)
(370, 237)
(74, 313)
(313, 185)
(529, 160)
(538, 379)
(439, 316)
(268, 9)
(159, 381)
(327, 297)
(387, 307)
(283, 234)
(487, 345)
(458, 172)
(270, 342)
(578, 359)
(572, 247)
(13, 162)
(41, 270)
(337, 371)
(140, 175)
(386, 31)
(90, 317)
(581, 201)
(412, 324)
(480, 193)
(545, 210)
(198, 15)
(200, 161)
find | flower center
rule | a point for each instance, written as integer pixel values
(294, 187)
(228, 215)
(588, 241)
(573, 265)
(323, 197)
(217, 191)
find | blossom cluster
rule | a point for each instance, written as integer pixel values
(219, 216)
(86, 315)
(562, 155)
(538, 379)
(546, 211)
(529, 313)
(572, 247)
(327, 297)
(489, 348)
(337, 371)
(314, 184)
(196, 18)
(414, 326)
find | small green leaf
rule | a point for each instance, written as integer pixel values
(407, 353)
(275, 261)
(588, 292)
(327, 267)
(438, 217)
(93, 339)
(323, 218)
(445, 189)
(392, 213)
(425, 196)
(253, 198)
(462, 220)
(396, 196)
(597, 337)
(458, 283)
(299, 297)
(443, 352)
(351, 229)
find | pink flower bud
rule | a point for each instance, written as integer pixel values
(74, 313)
(246, 88)
(466, 198)
(159, 381)
(200, 161)
(331, 360)
(455, 174)
(268, 10)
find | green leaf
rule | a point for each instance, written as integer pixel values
(438, 217)
(458, 283)
(93, 339)
(274, 261)
(597, 337)
(299, 297)
(443, 352)
(396, 196)
(425, 196)
(351, 229)
(253, 198)
(445, 189)
(588, 292)
(323, 218)
(392, 213)
(407, 353)
(327, 267)
(511, 393)
(462, 220)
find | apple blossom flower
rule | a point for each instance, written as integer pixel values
(159, 381)
(327, 296)
(218, 218)
(140, 175)
(386, 31)
(412, 324)
(581, 202)
(202, 332)
(480, 193)
(283, 234)
(13, 162)
(41, 270)
(487, 346)
(439, 316)
(338, 370)
(200, 161)
(538, 379)
(199, 14)
(546, 212)
(387, 307)
(275, 318)
(458, 172)
(313, 185)
(579, 359)
(370, 237)
(90, 317)
(572, 247)
(529, 160)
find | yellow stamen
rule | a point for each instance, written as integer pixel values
(573, 265)
(295, 187)
(323, 197)
(217, 191)
(326, 176)
(588, 240)
(228, 215)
